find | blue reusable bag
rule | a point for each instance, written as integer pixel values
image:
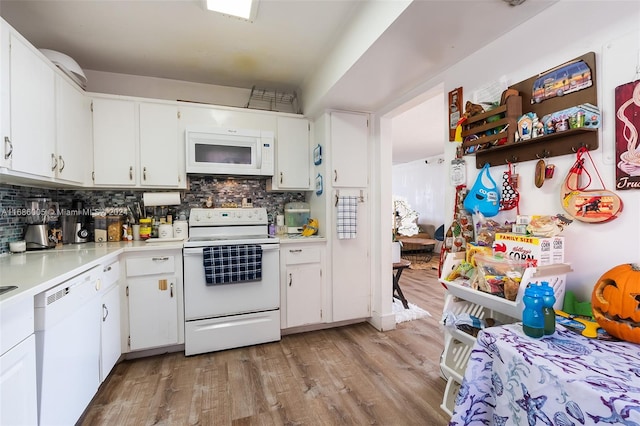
(483, 197)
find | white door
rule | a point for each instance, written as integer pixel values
(293, 161)
(304, 295)
(160, 151)
(115, 142)
(19, 403)
(33, 128)
(110, 331)
(73, 132)
(349, 150)
(153, 312)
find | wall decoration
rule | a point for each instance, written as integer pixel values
(566, 78)
(319, 184)
(317, 155)
(627, 99)
(455, 111)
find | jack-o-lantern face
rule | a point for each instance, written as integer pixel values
(615, 302)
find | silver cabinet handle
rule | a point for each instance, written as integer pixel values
(335, 175)
(61, 161)
(54, 162)
(171, 291)
(160, 259)
(290, 279)
(7, 141)
(131, 173)
(281, 177)
(107, 269)
(144, 173)
(105, 312)
(295, 251)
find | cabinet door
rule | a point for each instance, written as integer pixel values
(5, 97)
(304, 294)
(349, 149)
(73, 132)
(33, 128)
(114, 142)
(153, 312)
(110, 331)
(18, 387)
(292, 147)
(159, 148)
(351, 282)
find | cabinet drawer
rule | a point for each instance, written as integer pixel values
(296, 256)
(110, 274)
(152, 265)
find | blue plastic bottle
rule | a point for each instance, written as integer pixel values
(532, 316)
(548, 300)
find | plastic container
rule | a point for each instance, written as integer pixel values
(532, 316)
(100, 229)
(548, 300)
(145, 228)
(114, 228)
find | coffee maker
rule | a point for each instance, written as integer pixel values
(75, 224)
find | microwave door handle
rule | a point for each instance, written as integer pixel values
(259, 154)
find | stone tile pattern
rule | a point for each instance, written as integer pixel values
(201, 187)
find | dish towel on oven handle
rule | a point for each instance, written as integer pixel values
(232, 263)
(347, 216)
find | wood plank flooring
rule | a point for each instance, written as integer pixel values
(351, 375)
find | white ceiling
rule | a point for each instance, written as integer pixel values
(282, 49)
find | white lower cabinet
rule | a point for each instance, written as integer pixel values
(302, 280)
(154, 296)
(18, 401)
(110, 348)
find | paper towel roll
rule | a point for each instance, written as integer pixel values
(151, 199)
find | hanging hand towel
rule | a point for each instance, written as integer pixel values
(232, 264)
(347, 216)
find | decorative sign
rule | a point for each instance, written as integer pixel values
(317, 155)
(455, 111)
(319, 185)
(566, 78)
(627, 142)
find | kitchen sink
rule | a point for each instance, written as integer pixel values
(7, 288)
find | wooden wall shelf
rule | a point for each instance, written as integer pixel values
(552, 145)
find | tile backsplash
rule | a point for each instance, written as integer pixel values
(13, 221)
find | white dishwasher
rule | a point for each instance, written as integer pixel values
(67, 328)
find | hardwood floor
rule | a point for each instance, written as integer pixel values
(350, 375)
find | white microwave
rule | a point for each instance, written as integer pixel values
(229, 151)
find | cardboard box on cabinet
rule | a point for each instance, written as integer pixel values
(546, 251)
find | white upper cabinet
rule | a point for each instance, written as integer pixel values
(33, 128)
(136, 144)
(349, 150)
(73, 133)
(159, 146)
(293, 159)
(115, 142)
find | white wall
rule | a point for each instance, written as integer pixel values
(562, 32)
(424, 186)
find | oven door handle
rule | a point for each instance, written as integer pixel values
(197, 251)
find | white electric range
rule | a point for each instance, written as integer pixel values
(246, 311)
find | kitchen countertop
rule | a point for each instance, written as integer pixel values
(36, 271)
(297, 238)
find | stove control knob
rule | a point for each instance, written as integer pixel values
(196, 217)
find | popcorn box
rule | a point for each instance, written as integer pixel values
(546, 251)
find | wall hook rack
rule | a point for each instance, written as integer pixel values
(545, 154)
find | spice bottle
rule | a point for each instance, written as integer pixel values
(532, 316)
(548, 300)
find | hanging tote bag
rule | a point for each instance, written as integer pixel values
(484, 196)
(588, 205)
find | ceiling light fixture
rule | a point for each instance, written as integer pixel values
(244, 9)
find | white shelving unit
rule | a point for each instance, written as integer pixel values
(461, 299)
